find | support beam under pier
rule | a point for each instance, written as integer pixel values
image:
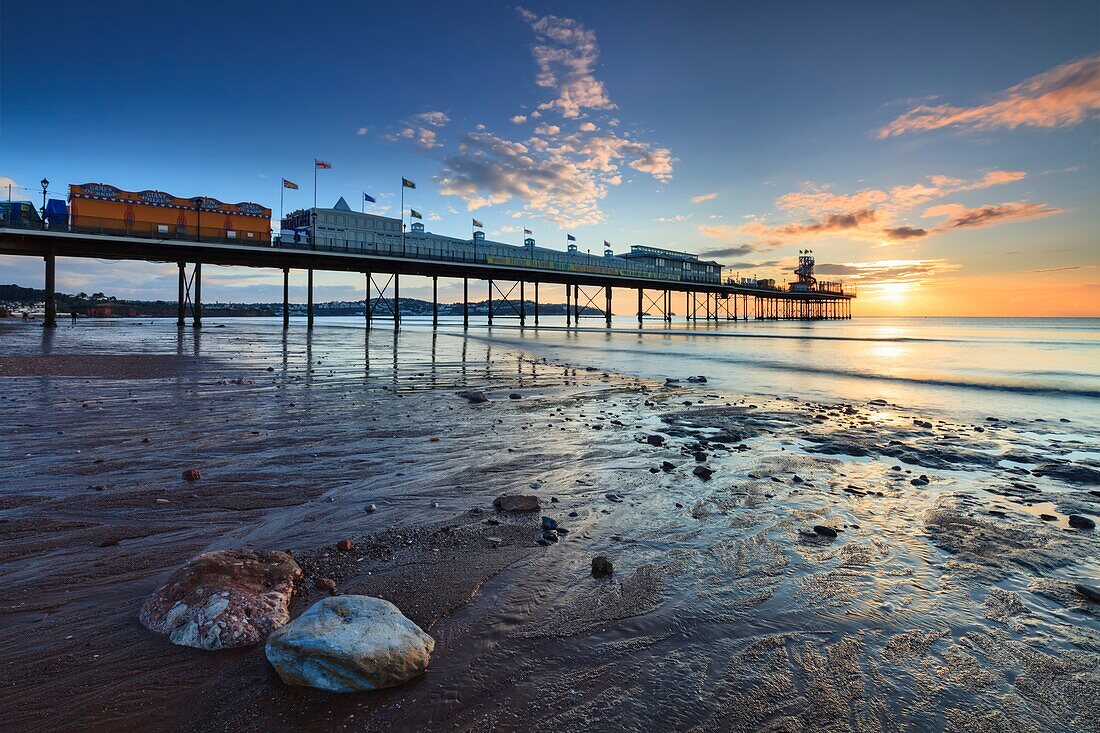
(51, 295)
(309, 301)
(181, 297)
(196, 304)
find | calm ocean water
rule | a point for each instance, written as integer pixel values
(966, 368)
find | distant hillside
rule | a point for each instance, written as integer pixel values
(102, 304)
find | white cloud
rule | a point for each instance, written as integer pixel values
(667, 219)
(566, 56)
(547, 129)
(362, 131)
(519, 119)
(703, 197)
(588, 127)
(435, 119)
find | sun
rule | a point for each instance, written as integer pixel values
(894, 291)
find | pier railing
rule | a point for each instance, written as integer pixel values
(419, 246)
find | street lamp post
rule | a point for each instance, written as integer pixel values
(45, 184)
(199, 201)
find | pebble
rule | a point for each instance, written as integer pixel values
(1078, 522)
(325, 584)
(667, 466)
(602, 567)
(1088, 591)
(372, 509)
(345, 545)
(655, 439)
(548, 523)
(824, 531)
(703, 472)
(191, 474)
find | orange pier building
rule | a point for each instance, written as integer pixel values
(98, 208)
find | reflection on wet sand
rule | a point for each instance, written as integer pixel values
(847, 566)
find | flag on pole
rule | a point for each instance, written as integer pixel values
(606, 243)
(527, 231)
(415, 214)
(367, 197)
(570, 238)
(478, 224)
(290, 184)
(405, 182)
(321, 164)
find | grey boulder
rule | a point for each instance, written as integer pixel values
(350, 644)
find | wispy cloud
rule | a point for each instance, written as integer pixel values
(960, 217)
(566, 55)
(877, 216)
(419, 129)
(676, 218)
(703, 197)
(1066, 95)
(560, 173)
(889, 276)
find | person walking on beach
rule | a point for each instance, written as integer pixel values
(73, 315)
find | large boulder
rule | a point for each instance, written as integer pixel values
(224, 599)
(349, 644)
(517, 503)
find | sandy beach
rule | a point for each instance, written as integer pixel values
(943, 595)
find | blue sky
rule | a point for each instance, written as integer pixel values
(906, 146)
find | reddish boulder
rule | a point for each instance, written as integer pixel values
(345, 545)
(517, 503)
(192, 474)
(224, 599)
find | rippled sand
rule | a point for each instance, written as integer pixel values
(942, 605)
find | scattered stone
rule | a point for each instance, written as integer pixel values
(271, 369)
(549, 523)
(573, 514)
(325, 584)
(350, 644)
(372, 509)
(879, 402)
(824, 531)
(700, 456)
(1078, 522)
(345, 545)
(655, 439)
(602, 567)
(515, 396)
(1048, 517)
(475, 397)
(550, 537)
(492, 522)
(667, 466)
(146, 440)
(223, 599)
(191, 474)
(1088, 591)
(109, 543)
(703, 472)
(614, 497)
(1074, 473)
(517, 503)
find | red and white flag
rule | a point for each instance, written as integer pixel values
(321, 164)
(527, 231)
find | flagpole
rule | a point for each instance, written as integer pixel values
(402, 216)
(315, 183)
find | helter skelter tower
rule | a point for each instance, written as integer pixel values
(805, 270)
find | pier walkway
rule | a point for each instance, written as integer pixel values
(507, 270)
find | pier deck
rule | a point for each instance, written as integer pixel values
(393, 260)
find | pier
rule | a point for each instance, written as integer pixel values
(339, 240)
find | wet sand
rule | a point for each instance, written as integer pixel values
(946, 603)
